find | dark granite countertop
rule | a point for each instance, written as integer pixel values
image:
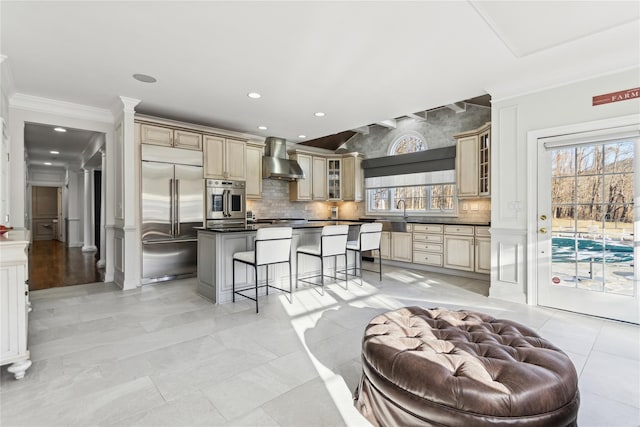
(281, 223)
(414, 220)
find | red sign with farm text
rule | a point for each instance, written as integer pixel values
(623, 95)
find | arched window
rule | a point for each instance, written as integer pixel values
(408, 142)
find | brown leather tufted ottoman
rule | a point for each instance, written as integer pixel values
(462, 368)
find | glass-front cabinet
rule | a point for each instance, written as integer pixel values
(473, 162)
(484, 166)
(334, 179)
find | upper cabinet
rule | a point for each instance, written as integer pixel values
(254, 170)
(473, 162)
(319, 178)
(225, 158)
(334, 181)
(330, 177)
(178, 138)
(300, 189)
(351, 178)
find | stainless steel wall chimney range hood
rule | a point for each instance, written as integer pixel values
(276, 163)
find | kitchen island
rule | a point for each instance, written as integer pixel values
(216, 247)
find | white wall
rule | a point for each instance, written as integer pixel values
(4, 142)
(74, 213)
(513, 120)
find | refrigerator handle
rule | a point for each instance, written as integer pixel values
(177, 207)
(171, 219)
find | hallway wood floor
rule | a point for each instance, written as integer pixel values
(53, 265)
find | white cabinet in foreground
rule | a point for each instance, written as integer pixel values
(14, 302)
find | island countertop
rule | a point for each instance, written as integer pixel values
(283, 223)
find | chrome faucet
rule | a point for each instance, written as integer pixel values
(404, 207)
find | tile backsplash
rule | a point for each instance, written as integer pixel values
(275, 203)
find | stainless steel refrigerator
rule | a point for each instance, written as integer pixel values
(172, 205)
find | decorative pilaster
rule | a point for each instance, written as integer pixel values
(131, 253)
(103, 211)
(89, 218)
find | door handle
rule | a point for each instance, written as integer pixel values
(543, 230)
(177, 207)
(171, 205)
(225, 203)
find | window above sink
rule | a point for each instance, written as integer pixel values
(419, 200)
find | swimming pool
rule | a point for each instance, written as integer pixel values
(563, 249)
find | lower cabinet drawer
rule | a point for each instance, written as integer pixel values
(459, 229)
(428, 258)
(426, 246)
(433, 238)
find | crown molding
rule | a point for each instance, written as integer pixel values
(125, 105)
(62, 108)
(508, 95)
(6, 77)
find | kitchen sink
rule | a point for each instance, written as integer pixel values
(398, 225)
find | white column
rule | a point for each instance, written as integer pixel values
(103, 211)
(89, 245)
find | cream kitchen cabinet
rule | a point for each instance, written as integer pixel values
(301, 189)
(385, 245)
(178, 138)
(467, 248)
(319, 178)
(482, 250)
(334, 178)
(401, 246)
(352, 178)
(473, 162)
(14, 302)
(428, 244)
(314, 185)
(396, 246)
(225, 158)
(254, 170)
(459, 251)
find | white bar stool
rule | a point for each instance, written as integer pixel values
(333, 242)
(368, 240)
(272, 246)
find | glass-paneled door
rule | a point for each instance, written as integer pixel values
(588, 228)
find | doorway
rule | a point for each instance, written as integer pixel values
(587, 234)
(60, 159)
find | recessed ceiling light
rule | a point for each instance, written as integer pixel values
(59, 129)
(254, 95)
(144, 78)
(262, 127)
(319, 114)
(54, 152)
(47, 163)
(302, 136)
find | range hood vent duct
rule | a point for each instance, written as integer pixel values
(276, 163)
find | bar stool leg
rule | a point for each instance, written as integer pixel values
(233, 280)
(297, 265)
(267, 282)
(322, 275)
(290, 283)
(346, 276)
(255, 267)
(380, 262)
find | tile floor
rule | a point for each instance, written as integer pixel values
(161, 355)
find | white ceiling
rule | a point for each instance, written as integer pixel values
(359, 62)
(41, 139)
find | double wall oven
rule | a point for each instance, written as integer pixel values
(225, 203)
